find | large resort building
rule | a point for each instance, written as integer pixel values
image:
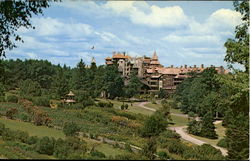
(152, 74)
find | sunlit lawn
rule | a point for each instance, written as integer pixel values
(178, 121)
(33, 130)
(154, 106)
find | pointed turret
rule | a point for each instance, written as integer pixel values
(155, 57)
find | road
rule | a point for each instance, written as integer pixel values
(181, 129)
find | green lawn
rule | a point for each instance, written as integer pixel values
(220, 130)
(33, 130)
(178, 121)
(137, 109)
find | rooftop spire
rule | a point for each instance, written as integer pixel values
(155, 57)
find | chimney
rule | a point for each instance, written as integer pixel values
(172, 66)
(194, 66)
(185, 66)
(202, 65)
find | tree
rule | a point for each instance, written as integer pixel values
(14, 15)
(153, 125)
(79, 76)
(207, 127)
(134, 85)
(238, 48)
(29, 87)
(70, 129)
(237, 136)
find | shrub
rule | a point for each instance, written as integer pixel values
(32, 140)
(98, 154)
(122, 107)
(126, 106)
(11, 112)
(21, 136)
(41, 118)
(128, 147)
(45, 145)
(70, 128)
(25, 117)
(105, 104)
(2, 99)
(223, 143)
(176, 147)
(2, 128)
(12, 98)
(41, 101)
(194, 127)
(8, 135)
(163, 155)
(88, 102)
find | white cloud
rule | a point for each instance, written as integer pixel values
(49, 26)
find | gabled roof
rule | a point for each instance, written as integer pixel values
(120, 56)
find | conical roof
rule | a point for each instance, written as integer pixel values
(155, 57)
(71, 93)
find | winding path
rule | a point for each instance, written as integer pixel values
(182, 129)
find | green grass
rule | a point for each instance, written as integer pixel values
(109, 150)
(177, 111)
(137, 109)
(33, 130)
(220, 130)
(178, 121)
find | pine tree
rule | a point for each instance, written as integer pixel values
(208, 128)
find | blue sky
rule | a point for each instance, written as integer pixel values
(181, 32)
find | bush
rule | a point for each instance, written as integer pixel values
(170, 134)
(163, 155)
(41, 101)
(25, 117)
(122, 107)
(88, 102)
(12, 98)
(223, 143)
(21, 136)
(29, 87)
(11, 112)
(105, 104)
(8, 135)
(126, 106)
(98, 154)
(2, 128)
(176, 147)
(2, 99)
(70, 129)
(45, 145)
(32, 140)
(128, 147)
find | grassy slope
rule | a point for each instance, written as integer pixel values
(33, 130)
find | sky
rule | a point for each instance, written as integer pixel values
(181, 32)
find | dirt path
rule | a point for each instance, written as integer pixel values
(181, 130)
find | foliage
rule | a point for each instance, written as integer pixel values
(223, 143)
(134, 86)
(194, 127)
(105, 104)
(163, 155)
(208, 128)
(11, 98)
(176, 147)
(153, 126)
(162, 94)
(14, 15)
(70, 129)
(238, 48)
(11, 112)
(45, 145)
(97, 153)
(29, 87)
(41, 101)
(149, 148)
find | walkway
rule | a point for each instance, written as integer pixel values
(181, 129)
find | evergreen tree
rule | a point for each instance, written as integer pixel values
(237, 135)
(133, 86)
(79, 76)
(208, 128)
